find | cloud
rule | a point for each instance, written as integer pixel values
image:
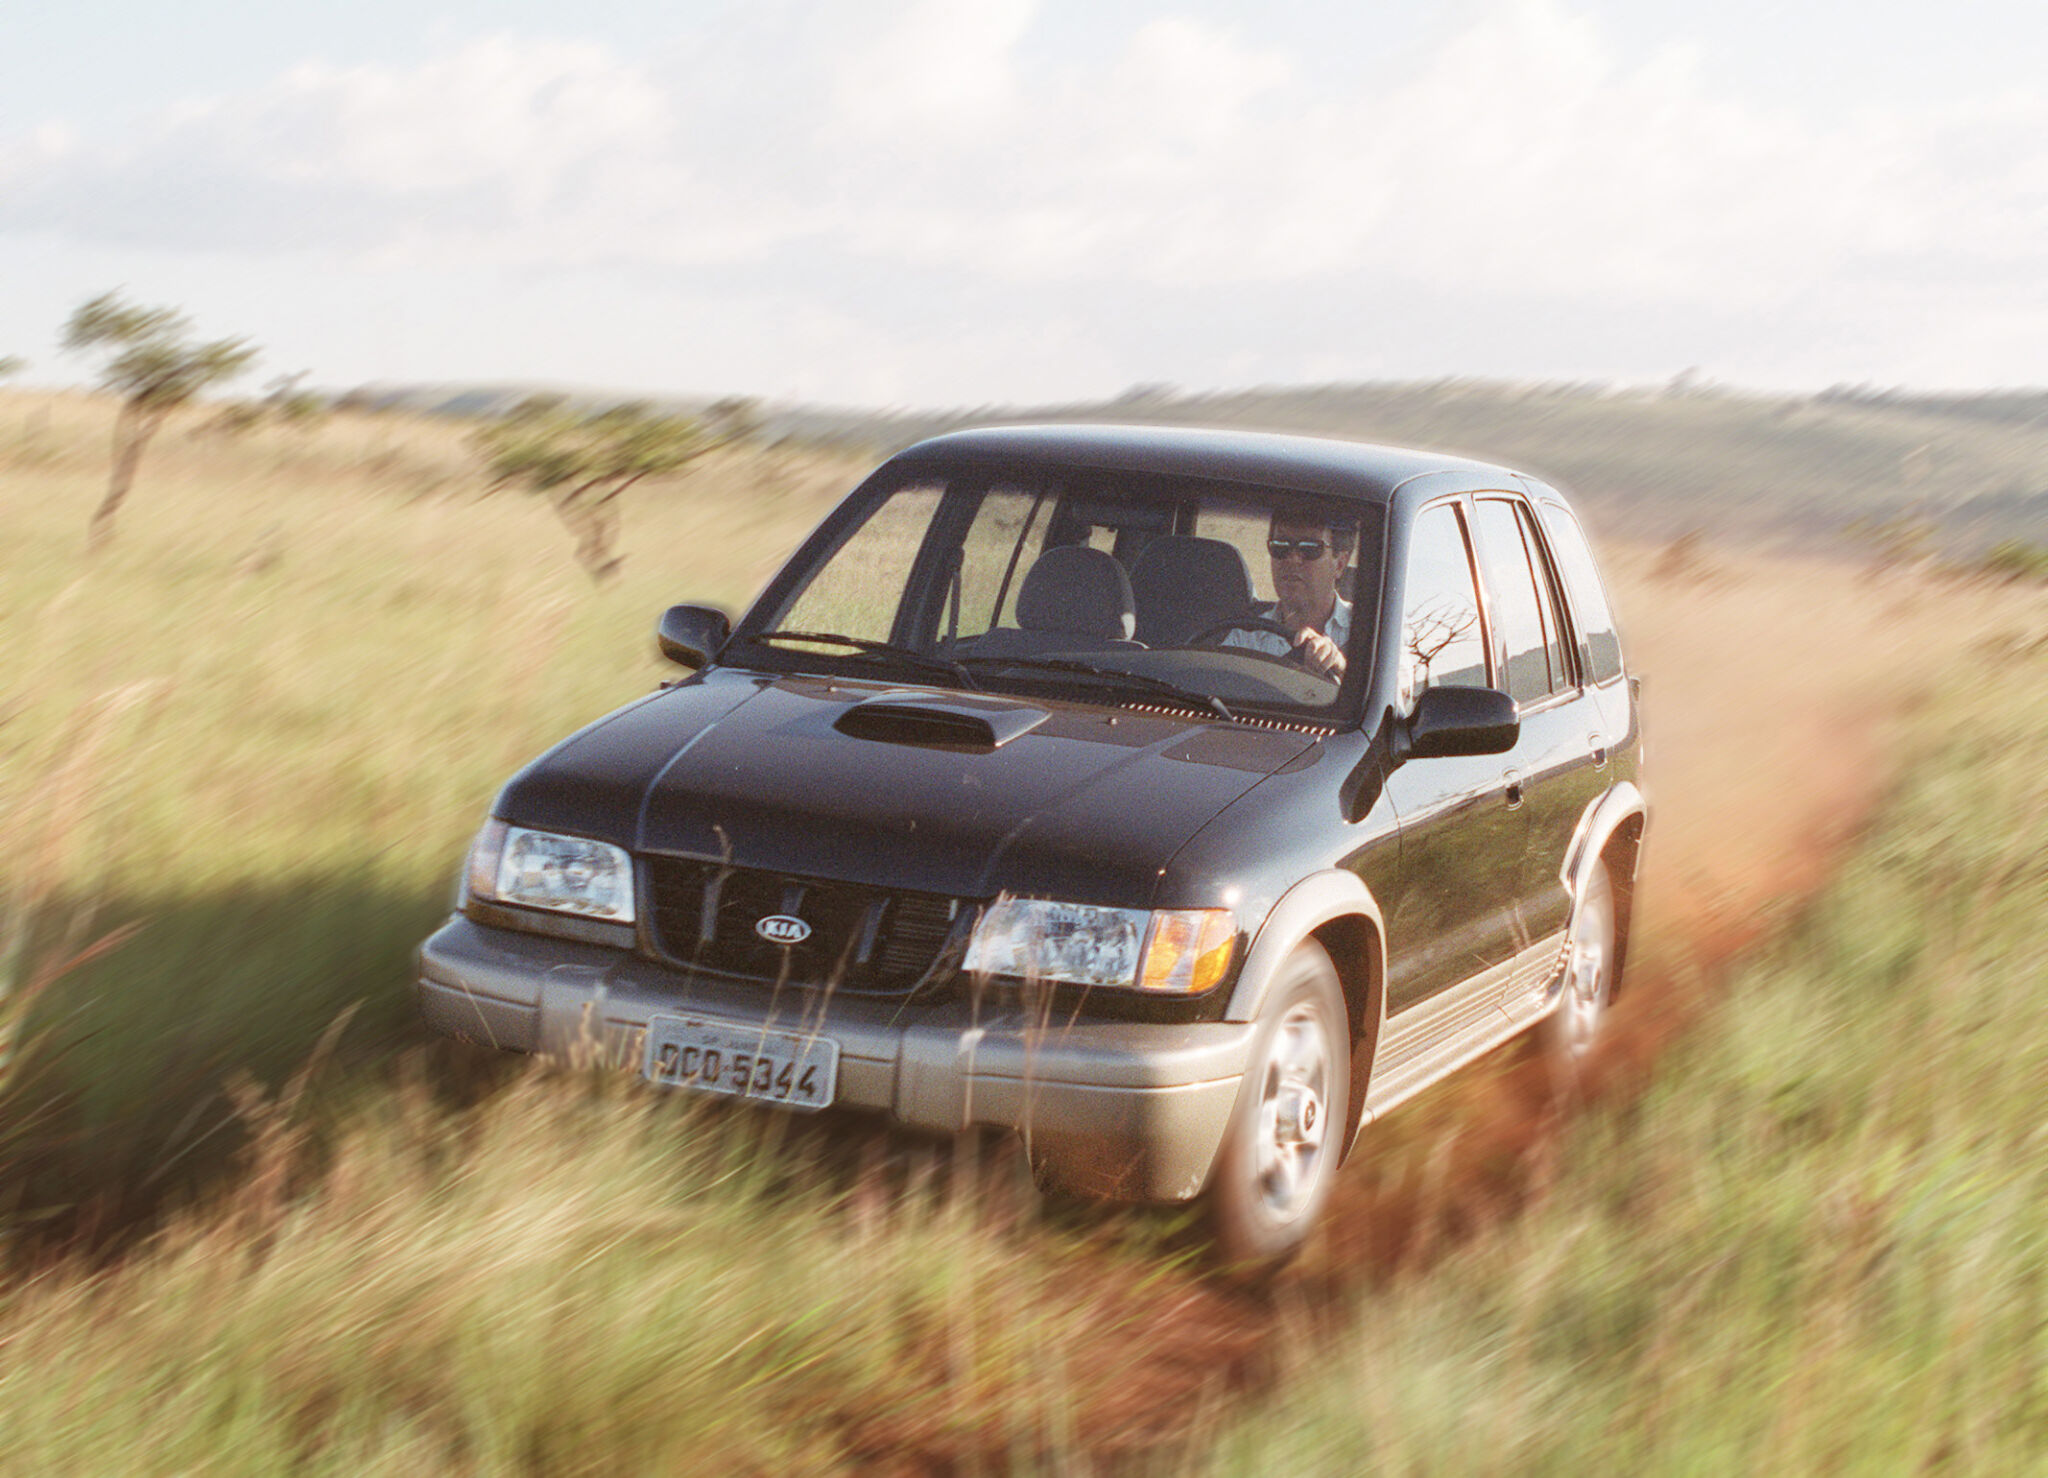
(934, 68)
(495, 140)
(1524, 160)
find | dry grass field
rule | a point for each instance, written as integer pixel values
(261, 727)
(255, 1223)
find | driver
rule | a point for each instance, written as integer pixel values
(1308, 555)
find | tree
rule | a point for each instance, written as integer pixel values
(582, 461)
(283, 404)
(11, 364)
(734, 418)
(154, 366)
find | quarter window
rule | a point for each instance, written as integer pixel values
(1598, 644)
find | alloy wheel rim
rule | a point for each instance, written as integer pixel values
(1294, 1113)
(1585, 995)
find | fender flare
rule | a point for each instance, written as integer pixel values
(1621, 804)
(1597, 826)
(1319, 899)
(1308, 905)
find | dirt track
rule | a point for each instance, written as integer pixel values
(1773, 695)
(1773, 690)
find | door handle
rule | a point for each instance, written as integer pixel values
(1598, 743)
(1514, 780)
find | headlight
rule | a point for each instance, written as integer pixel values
(541, 869)
(1179, 951)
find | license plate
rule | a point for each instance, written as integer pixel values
(739, 1061)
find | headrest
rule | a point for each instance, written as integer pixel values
(1182, 584)
(1073, 588)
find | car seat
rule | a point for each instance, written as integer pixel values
(1073, 597)
(1183, 584)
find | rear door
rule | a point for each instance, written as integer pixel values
(1551, 773)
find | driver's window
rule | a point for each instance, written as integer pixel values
(1441, 642)
(857, 591)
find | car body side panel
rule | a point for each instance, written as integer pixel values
(1451, 913)
(1292, 827)
(1559, 780)
(1430, 1041)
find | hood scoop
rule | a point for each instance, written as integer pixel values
(960, 722)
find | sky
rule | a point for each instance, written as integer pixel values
(961, 202)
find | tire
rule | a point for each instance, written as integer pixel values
(1279, 1155)
(1572, 1030)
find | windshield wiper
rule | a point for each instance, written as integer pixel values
(1144, 680)
(868, 647)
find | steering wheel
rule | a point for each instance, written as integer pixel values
(1218, 629)
(1296, 655)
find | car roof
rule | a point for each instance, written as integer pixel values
(1311, 464)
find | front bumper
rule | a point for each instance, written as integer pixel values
(1128, 1109)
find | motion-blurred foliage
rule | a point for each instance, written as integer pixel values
(583, 462)
(150, 360)
(274, 714)
(1817, 1245)
(341, 649)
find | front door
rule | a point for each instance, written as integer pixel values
(1452, 914)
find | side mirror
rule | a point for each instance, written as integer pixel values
(690, 634)
(1451, 721)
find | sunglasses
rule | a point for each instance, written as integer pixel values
(1305, 548)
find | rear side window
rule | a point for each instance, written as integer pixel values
(1598, 644)
(1550, 596)
(1521, 625)
(1441, 641)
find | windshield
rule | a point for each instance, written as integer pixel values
(1113, 586)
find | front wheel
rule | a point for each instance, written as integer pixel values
(1279, 1155)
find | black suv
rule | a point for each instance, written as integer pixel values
(1182, 800)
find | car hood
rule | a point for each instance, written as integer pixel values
(904, 788)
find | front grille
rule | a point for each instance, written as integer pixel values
(862, 938)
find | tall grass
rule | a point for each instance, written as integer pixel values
(43, 936)
(1819, 1244)
(339, 649)
(261, 730)
(569, 1279)
(1815, 1245)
